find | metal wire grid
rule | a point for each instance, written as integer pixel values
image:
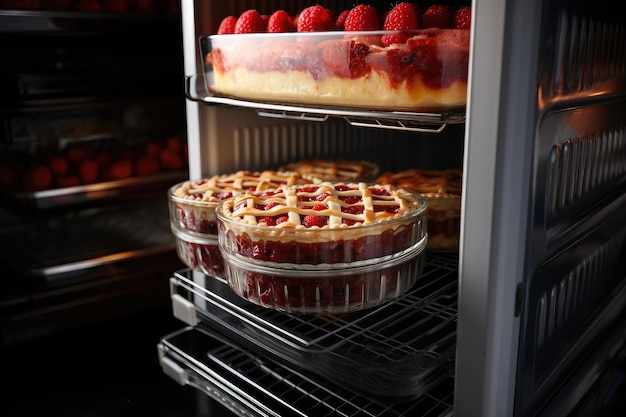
(395, 351)
(252, 385)
(433, 299)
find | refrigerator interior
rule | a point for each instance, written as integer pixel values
(539, 306)
(83, 212)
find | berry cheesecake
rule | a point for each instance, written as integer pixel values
(442, 191)
(341, 68)
(337, 170)
(321, 248)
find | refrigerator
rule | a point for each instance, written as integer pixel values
(78, 110)
(526, 319)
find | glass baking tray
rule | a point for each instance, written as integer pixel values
(394, 353)
(251, 385)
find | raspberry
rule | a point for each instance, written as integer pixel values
(311, 220)
(281, 219)
(362, 17)
(437, 17)
(250, 21)
(315, 19)
(227, 25)
(280, 22)
(462, 18)
(401, 17)
(319, 207)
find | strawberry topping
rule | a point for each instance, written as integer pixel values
(315, 19)
(227, 25)
(279, 22)
(437, 16)
(362, 17)
(250, 21)
(462, 18)
(401, 17)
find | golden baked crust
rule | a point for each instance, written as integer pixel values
(344, 205)
(441, 189)
(333, 169)
(220, 187)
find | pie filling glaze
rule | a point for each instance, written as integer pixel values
(428, 71)
(441, 189)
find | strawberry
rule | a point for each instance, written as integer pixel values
(227, 25)
(462, 18)
(401, 17)
(339, 22)
(250, 21)
(280, 21)
(315, 19)
(437, 16)
(362, 17)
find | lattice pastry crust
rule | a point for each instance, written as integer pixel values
(425, 181)
(221, 187)
(339, 205)
(334, 169)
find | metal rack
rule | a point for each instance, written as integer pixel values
(394, 354)
(424, 122)
(250, 385)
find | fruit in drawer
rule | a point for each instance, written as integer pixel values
(171, 160)
(8, 176)
(119, 170)
(37, 177)
(88, 171)
(58, 165)
(21, 4)
(146, 165)
(116, 6)
(57, 4)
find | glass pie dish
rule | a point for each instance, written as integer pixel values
(323, 248)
